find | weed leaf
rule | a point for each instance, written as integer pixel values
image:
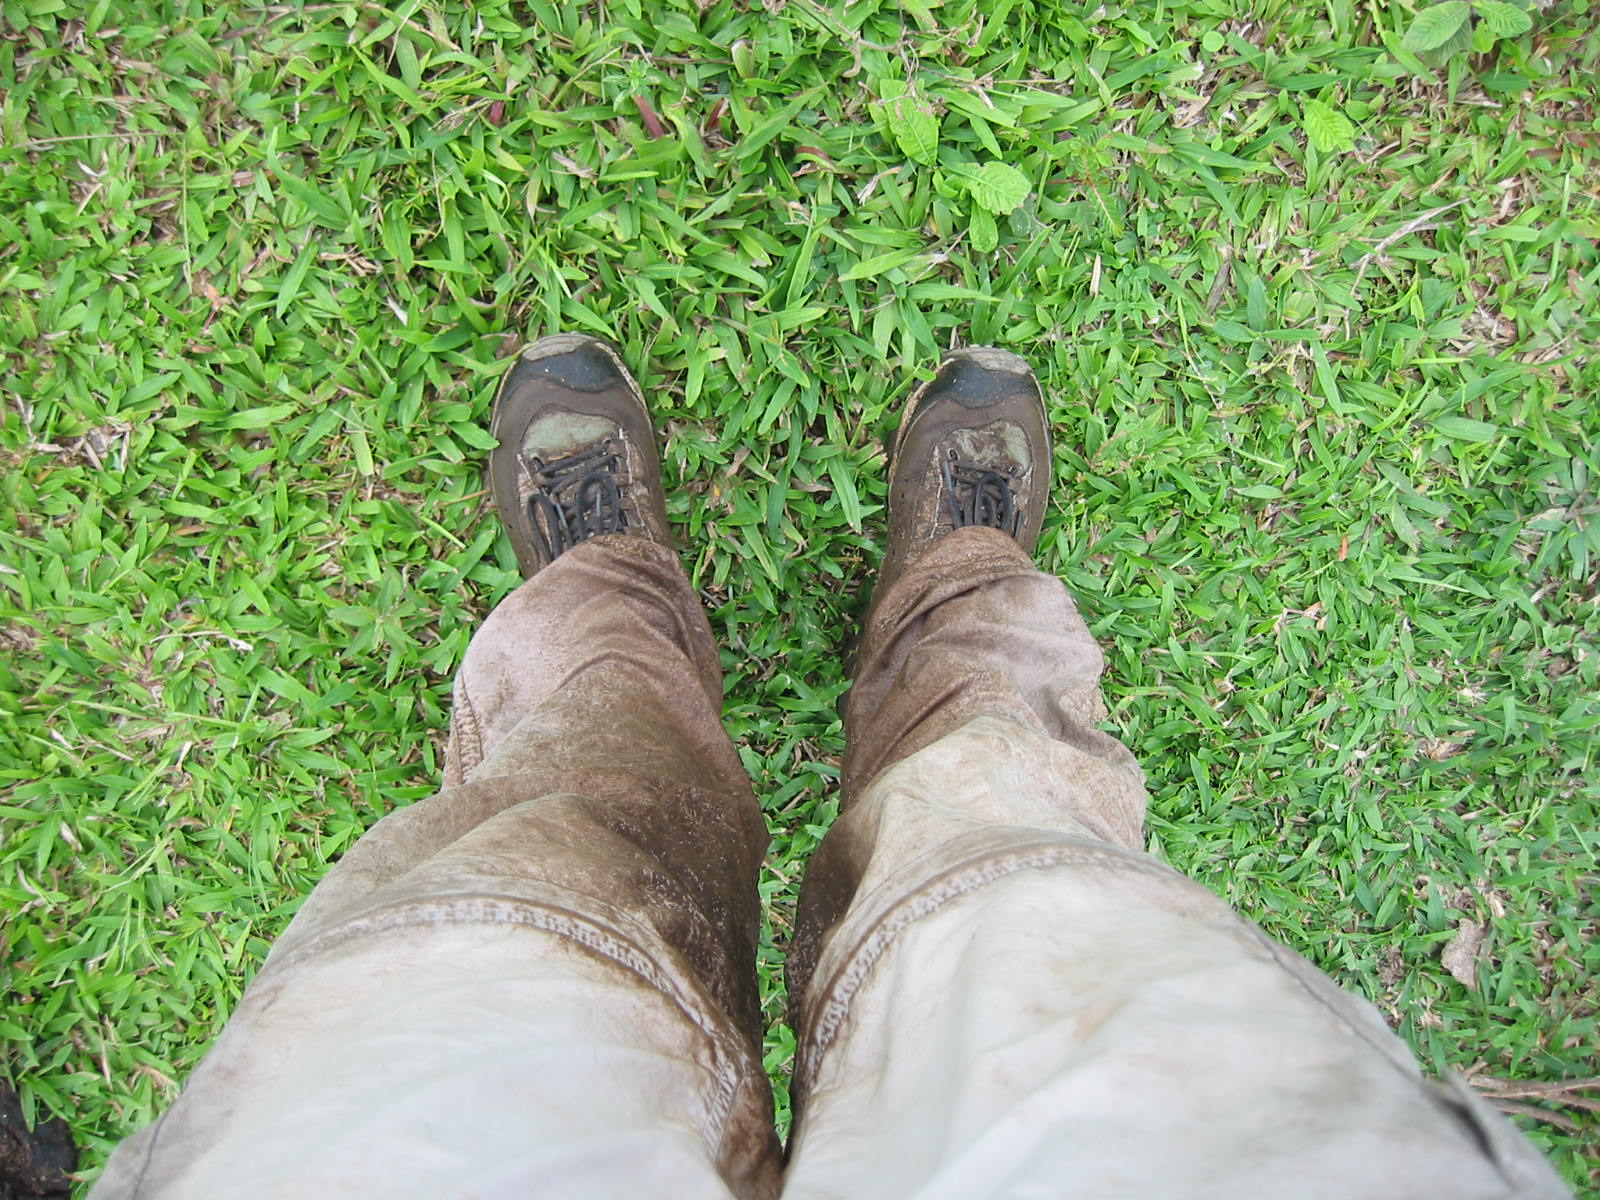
(996, 187)
(1436, 25)
(915, 127)
(1328, 128)
(1503, 19)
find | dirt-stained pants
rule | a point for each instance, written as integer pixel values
(540, 982)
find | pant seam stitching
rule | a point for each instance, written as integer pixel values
(471, 728)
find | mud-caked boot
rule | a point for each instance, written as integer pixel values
(972, 449)
(577, 454)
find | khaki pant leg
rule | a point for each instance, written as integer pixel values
(539, 982)
(1000, 994)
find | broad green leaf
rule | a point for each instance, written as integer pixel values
(1436, 25)
(996, 187)
(1328, 128)
(1460, 42)
(1502, 19)
(915, 127)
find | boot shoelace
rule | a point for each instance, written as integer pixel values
(976, 495)
(576, 498)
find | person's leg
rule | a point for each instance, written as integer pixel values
(997, 991)
(539, 982)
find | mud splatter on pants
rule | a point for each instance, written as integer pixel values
(540, 982)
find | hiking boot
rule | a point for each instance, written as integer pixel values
(973, 449)
(577, 454)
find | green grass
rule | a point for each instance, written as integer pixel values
(1326, 424)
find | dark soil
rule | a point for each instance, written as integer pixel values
(34, 1163)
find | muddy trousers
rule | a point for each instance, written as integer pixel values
(540, 982)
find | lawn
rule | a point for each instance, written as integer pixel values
(1316, 313)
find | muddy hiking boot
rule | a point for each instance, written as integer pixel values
(973, 449)
(577, 454)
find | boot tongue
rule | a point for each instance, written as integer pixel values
(559, 434)
(1000, 446)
